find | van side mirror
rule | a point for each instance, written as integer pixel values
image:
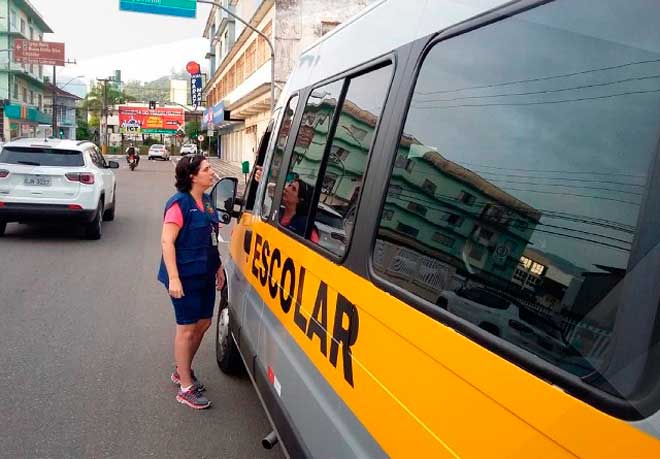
(223, 197)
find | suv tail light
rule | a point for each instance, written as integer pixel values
(83, 177)
(4, 173)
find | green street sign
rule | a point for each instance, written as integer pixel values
(181, 8)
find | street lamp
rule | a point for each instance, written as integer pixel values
(262, 35)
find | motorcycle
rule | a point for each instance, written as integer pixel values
(133, 161)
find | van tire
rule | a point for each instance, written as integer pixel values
(226, 352)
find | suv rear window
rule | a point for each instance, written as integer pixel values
(32, 156)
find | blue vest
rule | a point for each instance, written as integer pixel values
(197, 258)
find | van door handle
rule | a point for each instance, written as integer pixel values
(247, 241)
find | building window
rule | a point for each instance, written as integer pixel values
(455, 220)
(31, 33)
(15, 90)
(477, 252)
(40, 99)
(466, 198)
(410, 165)
(388, 214)
(537, 269)
(23, 26)
(444, 239)
(25, 95)
(407, 229)
(417, 208)
(31, 97)
(429, 186)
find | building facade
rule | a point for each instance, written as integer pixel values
(240, 63)
(65, 105)
(22, 87)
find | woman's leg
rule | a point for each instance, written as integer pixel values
(185, 346)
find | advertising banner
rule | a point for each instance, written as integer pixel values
(38, 52)
(142, 120)
(196, 90)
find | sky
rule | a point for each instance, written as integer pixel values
(100, 38)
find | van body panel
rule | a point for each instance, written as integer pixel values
(358, 370)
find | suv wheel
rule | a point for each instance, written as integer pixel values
(3, 227)
(93, 228)
(109, 215)
(226, 352)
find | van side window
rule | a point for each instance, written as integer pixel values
(273, 172)
(348, 154)
(522, 197)
(307, 157)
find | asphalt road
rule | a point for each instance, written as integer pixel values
(86, 345)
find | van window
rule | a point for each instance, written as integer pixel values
(303, 172)
(522, 199)
(347, 160)
(273, 172)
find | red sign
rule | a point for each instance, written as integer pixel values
(38, 52)
(157, 121)
(193, 68)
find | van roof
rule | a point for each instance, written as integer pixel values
(389, 24)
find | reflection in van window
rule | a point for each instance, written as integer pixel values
(347, 161)
(524, 172)
(306, 159)
(273, 172)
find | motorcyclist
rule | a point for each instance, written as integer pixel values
(131, 152)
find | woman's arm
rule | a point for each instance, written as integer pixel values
(170, 233)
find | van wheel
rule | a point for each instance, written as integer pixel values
(93, 228)
(226, 351)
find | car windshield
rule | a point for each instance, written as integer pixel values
(39, 156)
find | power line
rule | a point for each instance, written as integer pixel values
(552, 171)
(539, 103)
(531, 80)
(548, 91)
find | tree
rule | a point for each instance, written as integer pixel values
(192, 129)
(93, 102)
(82, 131)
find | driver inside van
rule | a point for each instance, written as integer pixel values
(296, 197)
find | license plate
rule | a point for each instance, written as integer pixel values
(37, 180)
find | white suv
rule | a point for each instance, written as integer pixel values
(56, 180)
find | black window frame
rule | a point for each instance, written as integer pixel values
(571, 384)
(293, 132)
(389, 59)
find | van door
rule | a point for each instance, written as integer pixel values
(245, 304)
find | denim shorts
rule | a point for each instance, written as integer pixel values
(197, 303)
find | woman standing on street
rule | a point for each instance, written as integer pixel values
(191, 269)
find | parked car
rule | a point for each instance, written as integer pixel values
(188, 149)
(330, 225)
(158, 151)
(53, 180)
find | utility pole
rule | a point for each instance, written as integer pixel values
(104, 138)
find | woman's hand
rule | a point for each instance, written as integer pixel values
(258, 172)
(176, 289)
(220, 277)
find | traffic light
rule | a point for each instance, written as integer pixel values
(152, 105)
(61, 133)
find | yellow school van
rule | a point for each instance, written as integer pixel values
(452, 247)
